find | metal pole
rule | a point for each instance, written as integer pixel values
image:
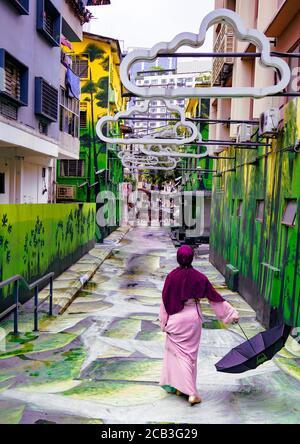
(36, 296)
(51, 297)
(228, 54)
(16, 310)
(194, 119)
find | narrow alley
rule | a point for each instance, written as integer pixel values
(100, 361)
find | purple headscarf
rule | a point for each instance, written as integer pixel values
(184, 283)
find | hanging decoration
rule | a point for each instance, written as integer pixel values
(196, 41)
(174, 138)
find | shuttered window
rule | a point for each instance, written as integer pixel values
(69, 114)
(46, 100)
(83, 118)
(80, 66)
(12, 85)
(73, 168)
(13, 79)
(49, 21)
(8, 110)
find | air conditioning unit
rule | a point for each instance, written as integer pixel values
(64, 192)
(269, 122)
(244, 133)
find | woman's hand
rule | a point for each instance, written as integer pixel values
(236, 319)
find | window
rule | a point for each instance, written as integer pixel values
(260, 208)
(232, 207)
(72, 168)
(294, 63)
(48, 21)
(289, 214)
(8, 110)
(83, 118)
(239, 208)
(43, 128)
(80, 66)
(13, 79)
(69, 114)
(21, 5)
(2, 183)
(46, 100)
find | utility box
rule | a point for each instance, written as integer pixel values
(232, 277)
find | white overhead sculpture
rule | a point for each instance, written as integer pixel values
(196, 41)
(139, 162)
(150, 139)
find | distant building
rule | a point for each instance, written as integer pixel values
(96, 60)
(157, 111)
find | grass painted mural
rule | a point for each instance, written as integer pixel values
(255, 221)
(100, 95)
(36, 239)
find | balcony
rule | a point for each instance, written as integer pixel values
(79, 8)
(222, 67)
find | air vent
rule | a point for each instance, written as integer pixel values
(46, 100)
(65, 192)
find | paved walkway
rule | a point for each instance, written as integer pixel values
(100, 360)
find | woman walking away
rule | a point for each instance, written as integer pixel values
(181, 319)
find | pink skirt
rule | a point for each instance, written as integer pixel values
(183, 331)
(181, 350)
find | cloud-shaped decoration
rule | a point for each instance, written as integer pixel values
(146, 162)
(159, 150)
(150, 139)
(196, 41)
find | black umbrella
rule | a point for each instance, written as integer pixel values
(255, 351)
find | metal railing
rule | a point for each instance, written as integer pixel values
(16, 280)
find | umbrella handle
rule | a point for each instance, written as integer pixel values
(246, 336)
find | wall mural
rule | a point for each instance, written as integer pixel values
(262, 246)
(38, 238)
(100, 95)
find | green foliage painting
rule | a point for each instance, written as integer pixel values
(36, 239)
(251, 195)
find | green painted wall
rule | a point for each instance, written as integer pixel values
(193, 183)
(266, 252)
(36, 239)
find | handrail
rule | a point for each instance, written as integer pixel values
(16, 280)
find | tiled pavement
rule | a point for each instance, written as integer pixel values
(100, 360)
